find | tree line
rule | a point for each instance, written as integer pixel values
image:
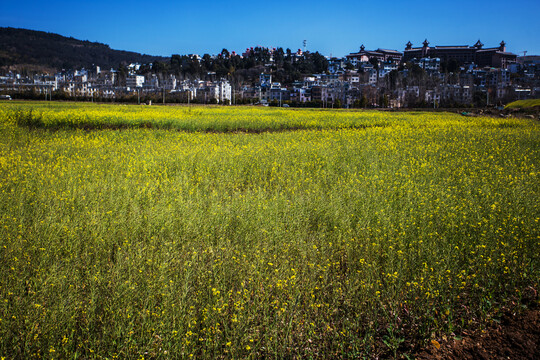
(284, 65)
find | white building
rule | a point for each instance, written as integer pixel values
(225, 91)
(372, 76)
(429, 64)
(134, 81)
(169, 83)
(336, 64)
(265, 80)
(386, 68)
(220, 91)
(134, 66)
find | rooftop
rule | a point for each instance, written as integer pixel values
(389, 51)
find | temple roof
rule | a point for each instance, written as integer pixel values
(489, 49)
(451, 47)
(389, 51)
(366, 52)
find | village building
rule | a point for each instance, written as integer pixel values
(462, 54)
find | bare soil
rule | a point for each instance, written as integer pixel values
(516, 336)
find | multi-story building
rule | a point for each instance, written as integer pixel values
(381, 55)
(336, 64)
(265, 80)
(386, 68)
(463, 54)
(134, 81)
(300, 94)
(83, 89)
(370, 76)
(529, 59)
(220, 91)
(151, 82)
(80, 78)
(248, 92)
(278, 93)
(456, 94)
(496, 57)
(428, 64)
(47, 81)
(169, 82)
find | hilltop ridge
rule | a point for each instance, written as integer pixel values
(30, 47)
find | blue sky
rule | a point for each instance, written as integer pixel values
(330, 27)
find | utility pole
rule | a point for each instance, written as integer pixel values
(163, 95)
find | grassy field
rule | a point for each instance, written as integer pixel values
(175, 232)
(524, 104)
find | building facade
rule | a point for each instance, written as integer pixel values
(462, 54)
(381, 55)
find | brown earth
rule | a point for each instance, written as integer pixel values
(516, 336)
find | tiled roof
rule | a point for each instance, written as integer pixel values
(489, 49)
(452, 47)
(389, 51)
(366, 52)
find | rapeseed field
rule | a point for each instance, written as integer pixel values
(150, 232)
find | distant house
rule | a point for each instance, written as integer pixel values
(134, 81)
(428, 64)
(386, 68)
(214, 91)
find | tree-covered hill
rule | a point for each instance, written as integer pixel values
(37, 50)
(29, 47)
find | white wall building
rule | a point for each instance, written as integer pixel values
(225, 91)
(220, 91)
(169, 83)
(386, 68)
(134, 81)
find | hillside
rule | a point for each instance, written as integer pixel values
(524, 104)
(29, 47)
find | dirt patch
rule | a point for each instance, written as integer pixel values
(514, 337)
